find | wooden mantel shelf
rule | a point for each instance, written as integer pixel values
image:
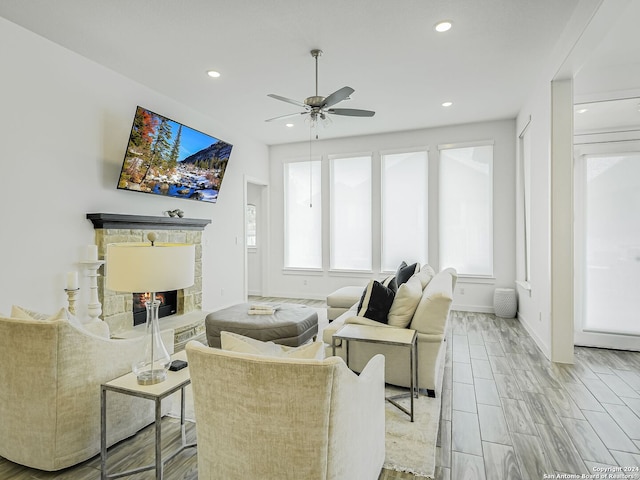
(144, 222)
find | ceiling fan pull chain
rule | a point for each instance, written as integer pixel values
(310, 166)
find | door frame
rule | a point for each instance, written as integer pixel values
(263, 227)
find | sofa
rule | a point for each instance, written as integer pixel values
(427, 313)
(285, 417)
(51, 371)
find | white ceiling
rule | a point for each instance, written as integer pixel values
(386, 50)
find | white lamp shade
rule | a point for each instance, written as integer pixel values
(140, 267)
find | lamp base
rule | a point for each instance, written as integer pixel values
(151, 377)
(153, 367)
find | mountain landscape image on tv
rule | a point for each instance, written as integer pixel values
(165, 157)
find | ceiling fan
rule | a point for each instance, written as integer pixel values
(317, 107)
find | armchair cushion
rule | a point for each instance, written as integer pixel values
(95, 327)
(375, 302)
(26, 314)
(238, 343)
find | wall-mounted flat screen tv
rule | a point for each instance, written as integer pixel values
(167, 158)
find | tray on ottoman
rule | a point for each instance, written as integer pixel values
(290, 324)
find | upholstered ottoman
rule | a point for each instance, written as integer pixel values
(291, 324)
(342, 300)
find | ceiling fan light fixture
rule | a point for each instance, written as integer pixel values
(317, 108)
(213, 73)
(447, 104)
(443, 26)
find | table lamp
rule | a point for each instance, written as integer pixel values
(150, 267)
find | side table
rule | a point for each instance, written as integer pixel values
(388, 336)
(128, 385)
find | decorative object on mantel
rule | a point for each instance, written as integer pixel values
(155, 267)
(91, 264)
(175, 213)
(72, 290)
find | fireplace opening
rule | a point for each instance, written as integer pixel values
(168, 305)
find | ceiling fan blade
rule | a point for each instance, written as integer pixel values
(285, 116)
(288, 100)
(338, 96)
(351, 112)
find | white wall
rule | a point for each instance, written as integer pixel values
(534, 306)
(64, 126)
(477, 296)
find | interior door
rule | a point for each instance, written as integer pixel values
(608, 247)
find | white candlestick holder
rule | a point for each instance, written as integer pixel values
(94, 307)
(71, 295)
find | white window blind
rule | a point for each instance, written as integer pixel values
(350, 213)
(404, 208)
(466, 209)
(302, 215)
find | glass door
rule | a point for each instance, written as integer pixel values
(607, 239)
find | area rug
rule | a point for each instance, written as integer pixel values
(411, 447)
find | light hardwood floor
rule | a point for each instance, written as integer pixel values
(507, 413)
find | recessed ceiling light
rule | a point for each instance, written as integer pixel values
(289, 125)
(213, 74)
(582, 110)
(447, 104)
(443, 26)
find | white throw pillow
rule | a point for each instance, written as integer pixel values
(425, 275)
(405, 303)
(26, 314)
(239, 343)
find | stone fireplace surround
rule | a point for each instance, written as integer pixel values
(117, 307)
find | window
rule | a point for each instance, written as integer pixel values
(466, 209)
(404, 208)
(251, 226)
(524, 215)
(350, 213)
(302, 215)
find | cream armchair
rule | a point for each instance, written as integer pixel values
(50, 373)
(277, 418)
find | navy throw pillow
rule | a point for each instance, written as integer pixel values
(376, 302)
(405, 272)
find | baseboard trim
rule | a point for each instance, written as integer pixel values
(310, 296)
(532, 333)
(473, 308)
